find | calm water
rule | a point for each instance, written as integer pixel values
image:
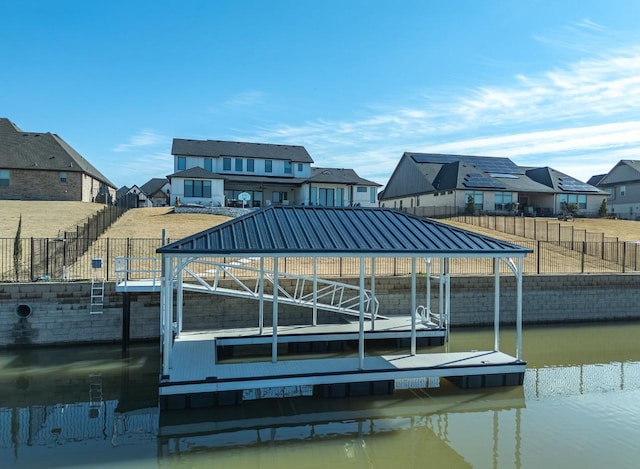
(90, 407)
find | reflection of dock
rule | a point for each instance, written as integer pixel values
(308, 419)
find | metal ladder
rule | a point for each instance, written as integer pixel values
(97, 296)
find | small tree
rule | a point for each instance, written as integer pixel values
(569, 209)
(602, 211)
(470, 206)
(17, 250)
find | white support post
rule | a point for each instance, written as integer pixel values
(413, 306)
(274, 344)
(372, 300)
(315, 291)
(441, 293)
(447, 299)
(519, 310)
(361, 323)
(496, 305)
(168, 315)
(261, 298)
(179, 301)
(428, 302)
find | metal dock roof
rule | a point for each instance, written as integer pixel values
(327, 231)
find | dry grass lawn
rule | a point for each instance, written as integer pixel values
(624, 230)
(43, 219)
(148, 223)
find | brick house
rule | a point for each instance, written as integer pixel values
(42, 166)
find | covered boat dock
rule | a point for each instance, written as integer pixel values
(192, 374)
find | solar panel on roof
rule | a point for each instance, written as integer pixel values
(488, 164)
(570, 184)
(479, 180)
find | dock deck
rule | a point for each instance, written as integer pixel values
(194, 371)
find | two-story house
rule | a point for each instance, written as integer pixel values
(223, 173)
(622, 184)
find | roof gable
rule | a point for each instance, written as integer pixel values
(42, 151)
(220, 148)
(623, 172)
(301, 231)
(338, 175)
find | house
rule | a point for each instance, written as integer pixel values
(457, 183)
(622, 185)
(157, 191)
(42, 166)
(223, 173)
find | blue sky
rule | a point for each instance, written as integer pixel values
(357, 82)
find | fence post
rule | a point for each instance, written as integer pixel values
(584, 249)
(538, 259)
(107, 259)
(32, 258)
(624, 255)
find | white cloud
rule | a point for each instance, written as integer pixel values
(580, 116)
(145, 138)
(246, 98)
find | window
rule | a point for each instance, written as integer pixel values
(299, 167)
(239, 164)
(182, 163)
(339, 197)
(195, 188)
(226, 164)
(5, 176)
(287, 167)
(314, 196)
(268, 167)
(417, 201)
(476, 196)
(327, 197)
(361, 189)
(623, 190)
(503, 200)
(373, 194)
(280, 197)
(63, 176)
(580, 200)
(208, 164)
(251, 166)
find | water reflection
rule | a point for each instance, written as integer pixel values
(579, 406)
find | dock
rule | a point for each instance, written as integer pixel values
(198, 370)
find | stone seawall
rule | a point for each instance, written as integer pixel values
(47, 313)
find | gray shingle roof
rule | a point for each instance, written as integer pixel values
(303, 231)
(41, 151)
(340, 176)
(220, 148)
(196, 172)
(153, 185)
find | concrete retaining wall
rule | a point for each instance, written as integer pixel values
(60, 313)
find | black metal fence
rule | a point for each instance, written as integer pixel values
(72, 259)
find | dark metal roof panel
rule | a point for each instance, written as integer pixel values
(218, 148)
(299, 231)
